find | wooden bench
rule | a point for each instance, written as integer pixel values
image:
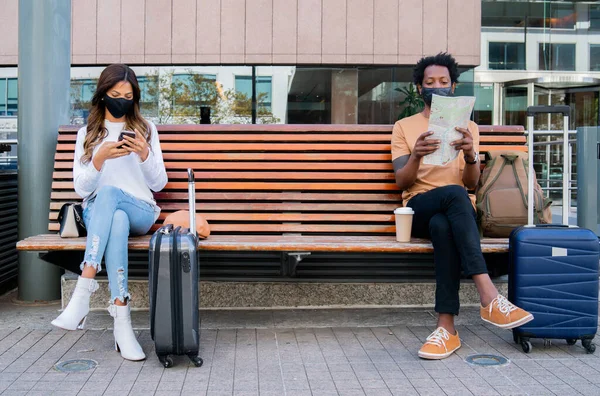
(294, 189)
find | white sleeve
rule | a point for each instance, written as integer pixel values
(154, 168)
(85, 176)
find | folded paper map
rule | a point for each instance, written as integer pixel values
(447, 113)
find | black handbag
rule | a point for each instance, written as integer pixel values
(71, 222)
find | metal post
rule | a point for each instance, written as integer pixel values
(254, 106)
(44, 83)
(588, 177)
(530, 171)
(566, 167)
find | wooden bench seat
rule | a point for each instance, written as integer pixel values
(280, 188)
(285, 243)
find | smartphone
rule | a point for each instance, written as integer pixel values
(125, 133)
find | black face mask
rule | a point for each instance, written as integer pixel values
(427, 93)
(118, 107)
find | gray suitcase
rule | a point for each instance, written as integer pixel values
(173, 289)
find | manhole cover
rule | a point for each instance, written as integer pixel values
(486, 360)
(75, 365)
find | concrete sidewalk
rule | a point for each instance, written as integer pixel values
(287, 352)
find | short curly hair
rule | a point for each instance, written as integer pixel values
(441, 59)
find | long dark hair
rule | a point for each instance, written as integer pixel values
(96, 132)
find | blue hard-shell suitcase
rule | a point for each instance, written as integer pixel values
(553, 272)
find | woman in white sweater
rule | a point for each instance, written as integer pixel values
(115, 173)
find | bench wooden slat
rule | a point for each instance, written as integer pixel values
(263, 166)
(279, 228)
(285, 196)
(284, 217)
(381, 157)
(265, 175)
(295, 128)
(167, 137)
(502, 139)
(257, 186)
(64, 140)
(381, 244)
(268, 207)
(202, 147)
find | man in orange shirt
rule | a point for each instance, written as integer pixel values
(445, 212)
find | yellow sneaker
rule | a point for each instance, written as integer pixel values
(440, 344)
(504, 314)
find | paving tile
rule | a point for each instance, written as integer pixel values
(378, 392)
(351, 392)
(20, 385)
(298, 392)
(507, 390)
(483, 390)
(404, 392)
(563, 390)
(346, 384)
(536, 390)
(430, 391)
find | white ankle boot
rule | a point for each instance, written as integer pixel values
(125, 340)
(74, 316)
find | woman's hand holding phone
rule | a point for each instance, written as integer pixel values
(108, 150)
(136, 144)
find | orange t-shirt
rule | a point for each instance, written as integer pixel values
(404, 136)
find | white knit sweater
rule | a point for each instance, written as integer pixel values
(128, 173)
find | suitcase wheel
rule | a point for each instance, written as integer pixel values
(197, 360)
(571, 341)
(526, 345)
(589, 346)
(166, 361)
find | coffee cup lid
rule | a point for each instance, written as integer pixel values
(405, 210)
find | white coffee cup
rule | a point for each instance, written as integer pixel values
(403, 223)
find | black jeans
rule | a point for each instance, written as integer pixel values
(445, 215)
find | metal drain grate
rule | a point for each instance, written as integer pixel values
(486, 360)
(75, 365)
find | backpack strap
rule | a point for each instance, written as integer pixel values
(496, 163)
(522, 177)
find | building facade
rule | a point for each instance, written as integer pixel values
(314, 61)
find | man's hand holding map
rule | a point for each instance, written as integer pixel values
(447, 113)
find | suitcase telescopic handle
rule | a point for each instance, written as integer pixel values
(533, 110)
(192, 200)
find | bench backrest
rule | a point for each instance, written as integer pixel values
(277, 179)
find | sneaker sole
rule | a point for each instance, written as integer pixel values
(511, 325)
(433, 356)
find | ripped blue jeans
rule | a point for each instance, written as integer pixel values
(110, 217)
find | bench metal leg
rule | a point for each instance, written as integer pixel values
(293, 259)
(67, 259)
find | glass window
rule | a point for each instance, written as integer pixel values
(506, 56)
(595, 57)
(557, 56)
(562, 16)
(515, 105)
(2, 96)
(309, 96)
(243, 88)
(148, 95)
(82, 92)
(484, 104)
(11, 97)
(595, 17)
(518, 14)
(192, 92)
